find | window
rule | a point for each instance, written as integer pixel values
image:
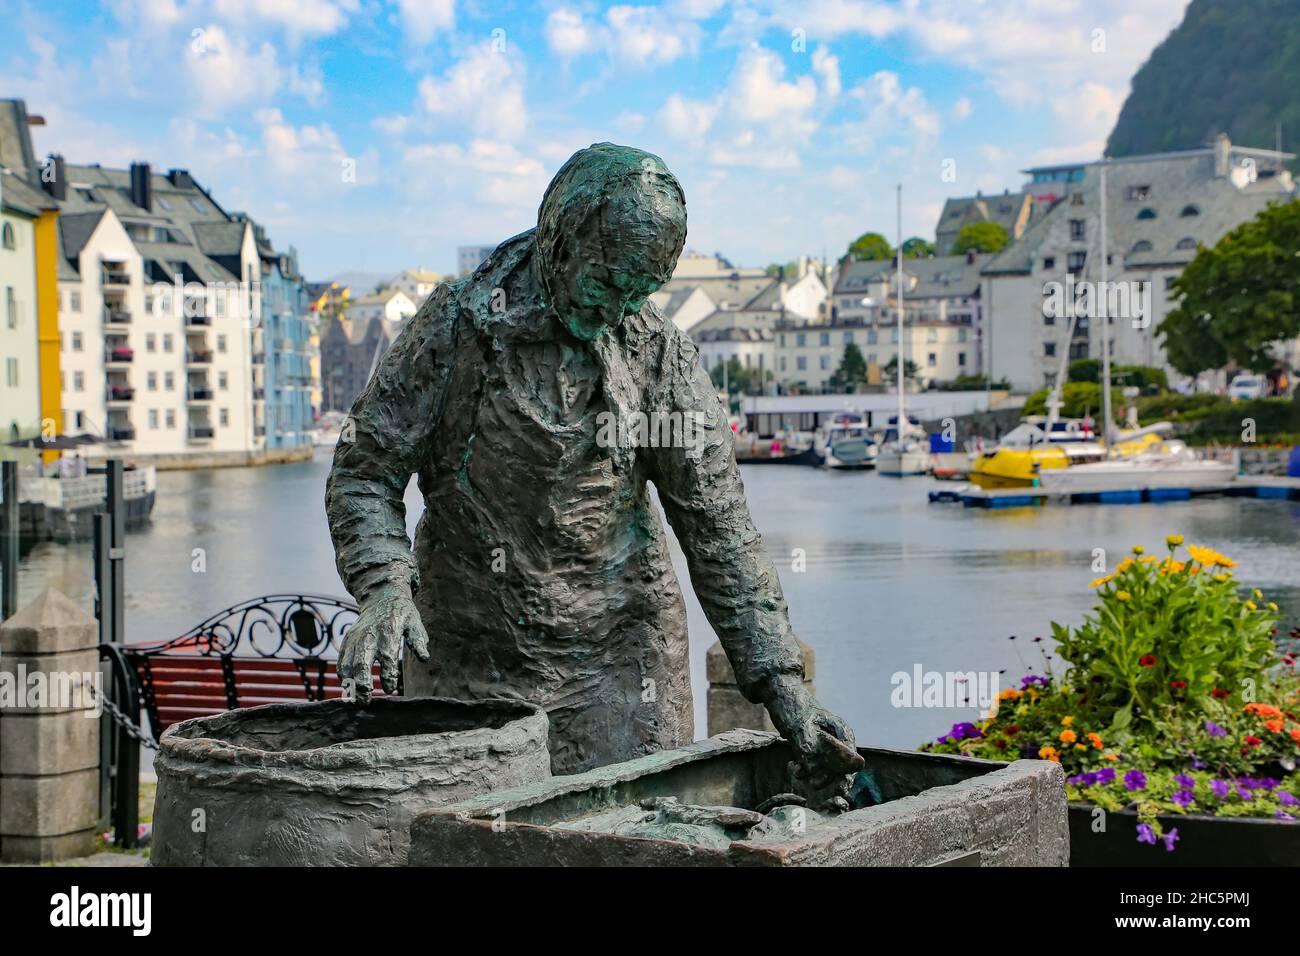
(1189, 211)
(961, 335)
(781, 339)
(11, 307)
(1076, 230)
(9, 240)
(1138, 193)
(1049, 349)
(151, 381)
(1074, 262)
(1076, 199)
(1186, 243)
(961, 359)
(871, 359)
(1141, 246)
(1147, 213)
(74, 301)
(801, 339)
(11, 372)
(153, 418)
(221, 343)
(223, 380)
(163, 204)
(931, 360)
(1049, 318)
(76, 341)
(825, 362)
(1169, 283)
(825, 338)
(167, 342)
(848, 338)
(932, 335)
(169, 381)
(196, 205)
(150, 342)
(171, 418)
(872, 337)
(801, 363)
(783, 363)
(78, 381)
(893, 337)
(225, 417)
(1049, 262)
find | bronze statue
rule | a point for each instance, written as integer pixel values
(540, 569)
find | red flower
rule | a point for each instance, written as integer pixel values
(1147, 661)
(1178, 684)
(1219, 693)
(1000, 744)
(1012, 730)
(1253, 741)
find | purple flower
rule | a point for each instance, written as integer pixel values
(1283, 815)
(1146, 834)
(1214, 730)
(1029, 751)
(1198, 764)
(1135, 780)
(1170, 839)
(1220, 788)
(1287, 798)
(1184, 781)
(1033, 679)
(1106, 775)
(1245, 794)
(1182, 797)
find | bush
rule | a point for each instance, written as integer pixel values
(1142, 376)
(1077, 400)
(1175, 699)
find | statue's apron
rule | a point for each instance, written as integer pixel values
(544, 572)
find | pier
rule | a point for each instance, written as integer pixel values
(1257, 486)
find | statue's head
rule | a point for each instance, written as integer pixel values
(609, 231)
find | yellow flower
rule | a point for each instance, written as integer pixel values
(1066, 721)
(1150, 559)
(1251, 606)
(1257, 594)
(1080, 747)
(1124, 565)
(1174, 540)
(1009, 694)
(1221, 578)
(1100, 581)
(1138, 549)
(1122, 595)
(1272, 607)
(1068, 737)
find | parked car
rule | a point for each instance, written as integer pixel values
(1245, 387)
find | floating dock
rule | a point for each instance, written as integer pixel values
(1253, 486)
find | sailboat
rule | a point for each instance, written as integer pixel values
(906, 449)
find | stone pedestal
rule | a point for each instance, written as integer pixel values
(728, 709)
(49, 732)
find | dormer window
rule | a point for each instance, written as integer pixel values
(1141, 246)
(1138, 193)
(1147, 213)
(1189, 211)
(1186, 243)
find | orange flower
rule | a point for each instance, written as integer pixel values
(1111, 757)
(1050, 753)
(1263, 710)
(1095, 739)
(1068, 736)
(1295, 734)
(1274, 726)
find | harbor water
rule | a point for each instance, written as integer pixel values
(879, 581)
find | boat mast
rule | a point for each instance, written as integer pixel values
(1101, 297)
(898, 259)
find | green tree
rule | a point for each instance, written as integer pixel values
(1239, 298)
(740, 380)
(910, 370)
(852, 371)
(981, 237)
(870, 246)
(917, 248)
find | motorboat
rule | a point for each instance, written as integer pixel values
(845, 442)
(1027, 452)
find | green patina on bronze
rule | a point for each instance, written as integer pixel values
(584, 614)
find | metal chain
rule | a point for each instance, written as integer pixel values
(125, 722)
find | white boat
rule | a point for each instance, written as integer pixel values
(1167, 464)
(906, 455)
(845, 442)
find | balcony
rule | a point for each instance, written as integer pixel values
(116, 317)
(196, 357)
(259, 394)
(120, 393)
(114, 277)
(201, 393)
(197, 320)
(259, 358)
(259, 430)
(202, 433)
(121, 433)
(119, 356)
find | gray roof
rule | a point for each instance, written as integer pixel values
(16, 152)
(725, 291)
(732, 334)
(75, 230)
(935, 276)
(1185, 204)
(22, 198)
(1005, 210)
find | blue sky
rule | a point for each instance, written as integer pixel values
(378, 136)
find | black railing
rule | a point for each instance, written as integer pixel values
(120, 393)
(202, 432)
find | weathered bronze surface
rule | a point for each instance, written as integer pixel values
(540, 569)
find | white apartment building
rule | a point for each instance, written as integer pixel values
(390, 304)
(416, 284)
(160, 314)
(1160, 209)
(20, 397)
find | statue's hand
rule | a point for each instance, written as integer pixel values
(826, 753)
(388, 619)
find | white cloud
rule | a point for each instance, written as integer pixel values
(422, 20)
(297, 17)
(827, 66)
(961, 109)
(294, 151)
(225, 72)
(484, 91)
(889, 107)
(687, 120)
(569, 35)
(629, 35)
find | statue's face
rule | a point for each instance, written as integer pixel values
(616, 243)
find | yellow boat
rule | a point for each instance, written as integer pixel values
(1023, 453)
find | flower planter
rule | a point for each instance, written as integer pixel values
(1202, 841)
(332, 783)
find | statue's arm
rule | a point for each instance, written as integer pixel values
(700, 488)
(384, 441)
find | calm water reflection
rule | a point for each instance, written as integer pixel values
(891, 581)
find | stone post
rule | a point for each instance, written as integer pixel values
(728, 709)
(49, 732)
